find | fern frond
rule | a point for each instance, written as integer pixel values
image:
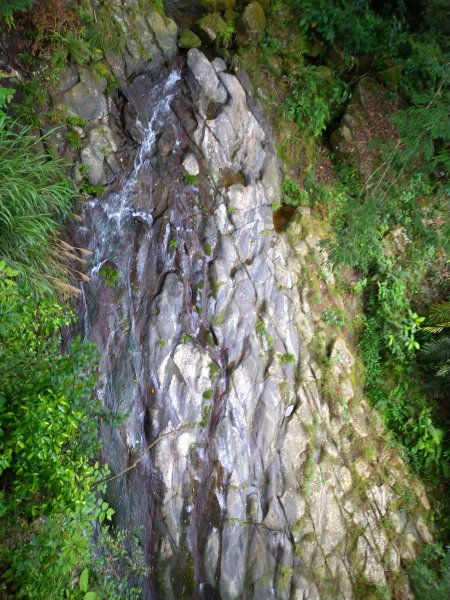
(439, 318)
(437, 349)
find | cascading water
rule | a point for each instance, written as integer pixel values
(203, 340)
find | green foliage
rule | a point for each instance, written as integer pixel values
(190, 179)
(34, 97)
(293, 195)
(35, 197)
(74, 139)
(53, 558)
(313, 97)
(6, 95)
(49, 431)
(333, 317)
(110, 275)
(438, 318)
(226, 33)
(353, 24)
(287, 359)
(9, 7)
(49, 434)
(437, 351)
(105, 35)
(425, 130)
(430, 573)
(358, 241)
(389, 344)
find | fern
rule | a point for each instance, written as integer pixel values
(437, 350)
(9, 7)
(439, 318)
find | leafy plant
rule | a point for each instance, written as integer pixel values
(354, 24)
(430, 573)
(35, 198)
(292, 194)
(9, 7)
(190, 179)
(74, 139)
(287, 358)
(333, 317)
(45, 422)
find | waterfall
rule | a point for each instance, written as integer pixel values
(238, 487)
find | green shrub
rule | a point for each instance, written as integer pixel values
(48, 423)
(9, 7)
(35, 198)
(430, 573)
(353, 24)
(110, 275)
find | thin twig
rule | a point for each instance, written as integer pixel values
(138, 460)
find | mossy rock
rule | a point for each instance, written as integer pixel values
(251, 25)
(265, 4)
(391, 76)
(188, 39)
(217, 5)
(231, 16)
(209, 28)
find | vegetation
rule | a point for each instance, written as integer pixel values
(9, 7)
(51, 490)
(35, 197)
(110, 275)
(388, 228)
(386, 210)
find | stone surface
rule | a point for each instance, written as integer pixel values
(189, 39)
(165, 32)
(190, 164)
(209, 27)
(85, 99)
(251, 24)
(254, 487)
(211, 89)
(101, 146)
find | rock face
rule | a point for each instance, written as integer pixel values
(249, 482)
(251, 25)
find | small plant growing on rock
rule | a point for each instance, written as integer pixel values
(73, 138)
(190, 179)
(109, 275)
(287, 358)
(330, 316)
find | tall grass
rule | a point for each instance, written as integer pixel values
(35, 198)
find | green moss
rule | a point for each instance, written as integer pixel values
(218, 319)
(188, 39)
(206, 411)
(287, 359)
(214, 370)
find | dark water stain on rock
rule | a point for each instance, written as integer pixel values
(282, 217)
(228, 177)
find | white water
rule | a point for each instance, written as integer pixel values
(118, 208)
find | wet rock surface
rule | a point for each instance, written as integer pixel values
(258, 473)
(255, 486)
